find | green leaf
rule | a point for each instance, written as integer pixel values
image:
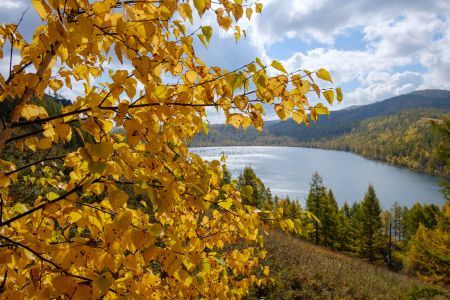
(324, 74)
(277, 65)
(202, 39)
(220, 260)
(321, 110)
(51, 196)
(259, 62)
(247, 192)
(207, 31)
(226, 204)
(340, 97)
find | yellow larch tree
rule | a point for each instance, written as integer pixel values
(132, 213)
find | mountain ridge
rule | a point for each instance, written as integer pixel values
(339, 122)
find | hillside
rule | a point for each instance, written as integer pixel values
(340, 122)
(406, 139)
(302, 270)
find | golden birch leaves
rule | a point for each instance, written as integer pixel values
(120, 207)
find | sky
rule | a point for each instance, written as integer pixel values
(373, 49)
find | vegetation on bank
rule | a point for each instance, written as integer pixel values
(302, 270)
(405, 139)
(362, 229)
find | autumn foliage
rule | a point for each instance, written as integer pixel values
(133, 213)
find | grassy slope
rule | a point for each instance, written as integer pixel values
(306, 271)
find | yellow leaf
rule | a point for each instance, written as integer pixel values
(74, 216)
(324, 74)
(248, 12)
(259, 8)
(104, 281)
(281, 112)
(259, 62)
(200, 6)
(304, 86)
(4, 181)
(31, 112)
(226, 204)
(31, 143)
(55, 84)
(298, 116)
(246, 122)
(235, 120)
(64, 131)
(237, 11)
(51, 196)
(118, 198)
(103, 150)
(190, 76)
(316, 89)
(240, 102)
(202, 39)
(97, 188)
(277, 65)
(321, 110)
(329, 95)
(41, 8)
(44, 143)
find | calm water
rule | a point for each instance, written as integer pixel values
(288, 170)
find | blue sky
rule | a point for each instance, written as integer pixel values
(373, 49)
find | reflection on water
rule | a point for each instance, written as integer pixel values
(288, 170)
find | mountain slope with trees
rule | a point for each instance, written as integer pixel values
(338, 123)
(406, 139)
(397, 130)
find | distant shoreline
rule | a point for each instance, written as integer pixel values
(311, 147)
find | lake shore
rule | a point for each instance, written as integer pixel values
(287, 171)
(443, 176)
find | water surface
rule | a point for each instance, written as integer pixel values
(288, 171)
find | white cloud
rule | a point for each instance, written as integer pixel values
(381, 85)
(402, 45)
(405, 43)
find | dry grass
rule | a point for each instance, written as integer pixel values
(302, 270)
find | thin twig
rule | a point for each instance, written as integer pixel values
(34, 163)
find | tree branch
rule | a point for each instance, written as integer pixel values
(34, 163)
(39, 207)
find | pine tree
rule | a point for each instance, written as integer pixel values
(314, 202)
(429, 251)
(397, 220)
(345, 234)
(328, 219)
(370, 234)
(248, 178)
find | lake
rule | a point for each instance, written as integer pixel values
(288, 171)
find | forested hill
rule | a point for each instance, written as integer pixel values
(339, 123)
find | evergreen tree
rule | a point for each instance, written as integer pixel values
(329, 219)
(249, 178)
(370, 234)
(426, 215)
(397, 221)
(314, 202)
(345, 232)
(429, 252)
